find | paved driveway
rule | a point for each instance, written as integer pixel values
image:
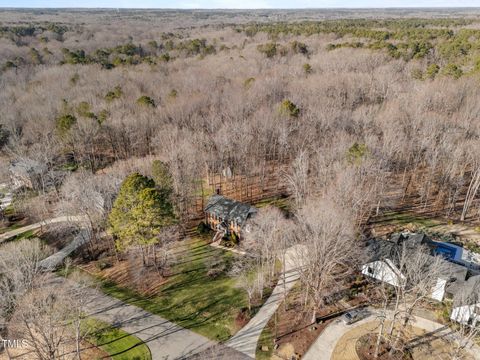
(245, 341)
(57, 220)
(326, 342)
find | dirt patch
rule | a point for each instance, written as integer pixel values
(366, 345)
(421, 345)
(128, 273)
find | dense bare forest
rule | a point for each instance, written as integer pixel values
(344, 102)
(345, 114)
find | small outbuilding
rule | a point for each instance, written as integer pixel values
(227, 215)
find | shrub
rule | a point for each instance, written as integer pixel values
(35, 56)
(289, 108)
(173, 93)
(307, 68)
(9, 65)
(202, 228)
(114, 94)
(153, 45)
(453, 71)
(102, 116)
(299, 47)
(74, 57)
(269, 49)
(247, 84)
(356, 153)
(65, 122)
(165, 57)
(83, 109)
(146, 101)
(432, 71)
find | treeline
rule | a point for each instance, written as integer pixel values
(14, 31)
(441, 41)
(126, 54)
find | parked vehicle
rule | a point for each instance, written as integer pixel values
(354, 315)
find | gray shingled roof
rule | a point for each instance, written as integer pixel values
(391, 249)
(228, 209)
(468, 293)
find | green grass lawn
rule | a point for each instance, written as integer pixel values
(191, 298)
(119, 344)
(282, 203)
(11, 227)
(266, 339)
(26, 235)
(405, 218)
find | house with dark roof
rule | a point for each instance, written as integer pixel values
(228, 216)
(383, 263)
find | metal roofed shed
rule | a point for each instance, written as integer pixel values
(228, 215)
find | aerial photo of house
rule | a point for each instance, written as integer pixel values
(226, 180)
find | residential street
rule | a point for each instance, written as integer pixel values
(24, 229)
(165, 339)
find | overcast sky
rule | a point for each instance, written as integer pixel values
(239, 4)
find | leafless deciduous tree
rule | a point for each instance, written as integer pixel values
(419, 275)
(268, 238)
(466, 317)
(328, 249)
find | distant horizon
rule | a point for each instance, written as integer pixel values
(235, 9)
(240, 4)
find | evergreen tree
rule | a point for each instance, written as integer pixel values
(162, 177)
(139, 213)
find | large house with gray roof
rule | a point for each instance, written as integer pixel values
(228, 216)
(384, 255)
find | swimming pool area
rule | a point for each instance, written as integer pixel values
(457, 254)
(446, 250)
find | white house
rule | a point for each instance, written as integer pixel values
(383, 270)
(384, 254)
(466, 304)
(466, 314)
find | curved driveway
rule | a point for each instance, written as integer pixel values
(245, 341)
(325, 344)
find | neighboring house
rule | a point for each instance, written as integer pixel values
(383, 270)
(383, 264)
(384, 255)
(228, 216)
(466, 304)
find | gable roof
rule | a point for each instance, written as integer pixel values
(228, 209)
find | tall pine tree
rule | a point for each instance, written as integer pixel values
(139, 213)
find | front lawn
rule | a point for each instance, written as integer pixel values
(195, 297)
(119, 344)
